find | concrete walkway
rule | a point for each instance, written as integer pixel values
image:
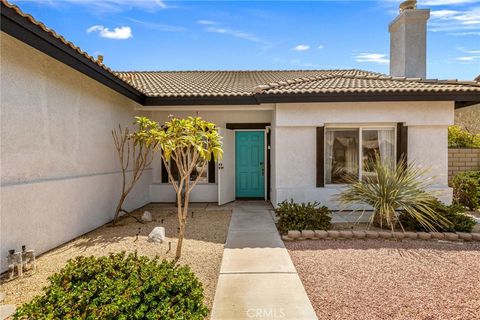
(257, 278)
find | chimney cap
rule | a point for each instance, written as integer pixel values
(408, 5)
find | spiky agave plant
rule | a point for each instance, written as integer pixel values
(390, 190)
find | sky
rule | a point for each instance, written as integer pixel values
(269, 35)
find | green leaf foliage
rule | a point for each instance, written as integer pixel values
(454, 214)
(460, 138)
(466, 189)
(390, 190)
(119, 286)
(302, 216)
(179, 134)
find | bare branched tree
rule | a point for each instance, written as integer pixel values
(133, 151)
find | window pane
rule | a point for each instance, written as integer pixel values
(193, 175)
(196, 172)
(341, 160)
(377, 142)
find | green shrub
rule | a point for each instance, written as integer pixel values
(459, 138)
(302, 216)
(454, 214)
(466, 189)
(119, 287)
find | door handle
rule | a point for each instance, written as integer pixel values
(263, 168)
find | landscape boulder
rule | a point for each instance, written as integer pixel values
(147, 216)
(157, 235)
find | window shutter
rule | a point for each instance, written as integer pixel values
(211, 171)
(320, 157)
(402, 142)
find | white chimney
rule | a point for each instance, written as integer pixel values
(408, 42)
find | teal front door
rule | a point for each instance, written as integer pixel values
(249, 164)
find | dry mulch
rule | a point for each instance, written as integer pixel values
(202, 248)
(379, 279)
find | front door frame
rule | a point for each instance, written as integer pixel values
(258, 127)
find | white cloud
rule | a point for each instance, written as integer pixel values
(378, 58)
(471, 55)
(445, 2)
(112, 6)
(214, 27)
(458, 21)
(301, 47)
(206, 22)
(320, 47)
(158, 26)
(120, 33)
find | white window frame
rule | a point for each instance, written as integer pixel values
(360, 128)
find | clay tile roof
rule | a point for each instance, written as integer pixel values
(185, 84)
(248, 83)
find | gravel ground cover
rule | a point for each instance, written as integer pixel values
(202, 248)
(380, 279)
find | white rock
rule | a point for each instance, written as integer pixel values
(157, 235)
(147, 216)
(7, 310)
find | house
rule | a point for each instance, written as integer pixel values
(287, 134)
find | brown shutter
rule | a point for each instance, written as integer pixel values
(402, 142)
(211, 171)
(320, 157)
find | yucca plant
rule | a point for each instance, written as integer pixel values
(391, 190)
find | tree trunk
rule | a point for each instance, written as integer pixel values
(119, 208)
(181, 230)
(182, 219)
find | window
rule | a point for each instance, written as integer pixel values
(193, 175)
(348, 151)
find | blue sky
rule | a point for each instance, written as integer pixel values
(246, 35)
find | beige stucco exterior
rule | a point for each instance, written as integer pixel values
(60, 176)
(59, 172)
(293, 142)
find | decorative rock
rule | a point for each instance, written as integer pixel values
(476, 236)
(385, 234)
(411, 235)
(286, 238)
(424, 235)
(7, 310)
(157, 235)
(346, 234)
(294, 234)
(359, 234)
(147, 216)
(465, 236)
(333, 234)
(308, 234)
(321, 234)
(372, 234)
(450, 236)
(398, 235)
(437, 235)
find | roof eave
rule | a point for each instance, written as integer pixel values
(462, 99)
(22, 29)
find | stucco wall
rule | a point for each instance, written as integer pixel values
(295, 137)
(59, 172)
(160, 192)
